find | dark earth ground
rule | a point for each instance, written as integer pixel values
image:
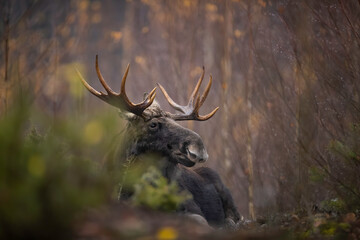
(123, 221)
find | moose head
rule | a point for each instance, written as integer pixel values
(156, 130)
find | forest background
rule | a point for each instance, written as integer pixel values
(285, 75)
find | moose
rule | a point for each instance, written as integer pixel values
(156, 131)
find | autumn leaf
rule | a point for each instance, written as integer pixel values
(167, 233)
(116, 35)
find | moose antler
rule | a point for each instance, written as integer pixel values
(119, 100)
(191, 110)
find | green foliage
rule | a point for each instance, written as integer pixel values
(338, 230)
(45, 181)
(335, 205)
(328, 229)
(155, 192)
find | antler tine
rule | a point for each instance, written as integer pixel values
(206, 92)
(133, 107)
(147, 102)
(191, 110)
(207, 116)
(123, 81)
(119, 100)
(170, 101)
(203, 98)
(87, 85)
(152, 95)
(122, 89)
(197, 87)
(101, 78)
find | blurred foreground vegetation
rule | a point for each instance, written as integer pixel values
(45, 179)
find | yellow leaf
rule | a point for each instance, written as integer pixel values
(116, 35)
(84, 4)
(140, 60)
(187, 3)
(167, 233)
(238, 33)
(211, 7)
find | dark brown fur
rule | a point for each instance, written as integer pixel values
(163, 136)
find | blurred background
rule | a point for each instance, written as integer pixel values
(285, 76)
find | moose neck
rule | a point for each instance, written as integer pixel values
(170, 169)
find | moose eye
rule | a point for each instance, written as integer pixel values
(153, 125)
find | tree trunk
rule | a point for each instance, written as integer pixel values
(226, 79)
(248, 87)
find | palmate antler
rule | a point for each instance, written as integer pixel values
(191, 110)
(119, 100)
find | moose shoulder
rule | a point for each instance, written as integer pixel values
(156, 131)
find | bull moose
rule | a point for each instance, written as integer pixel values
(156, 131)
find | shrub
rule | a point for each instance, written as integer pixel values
(154, 191)
(45, 180)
